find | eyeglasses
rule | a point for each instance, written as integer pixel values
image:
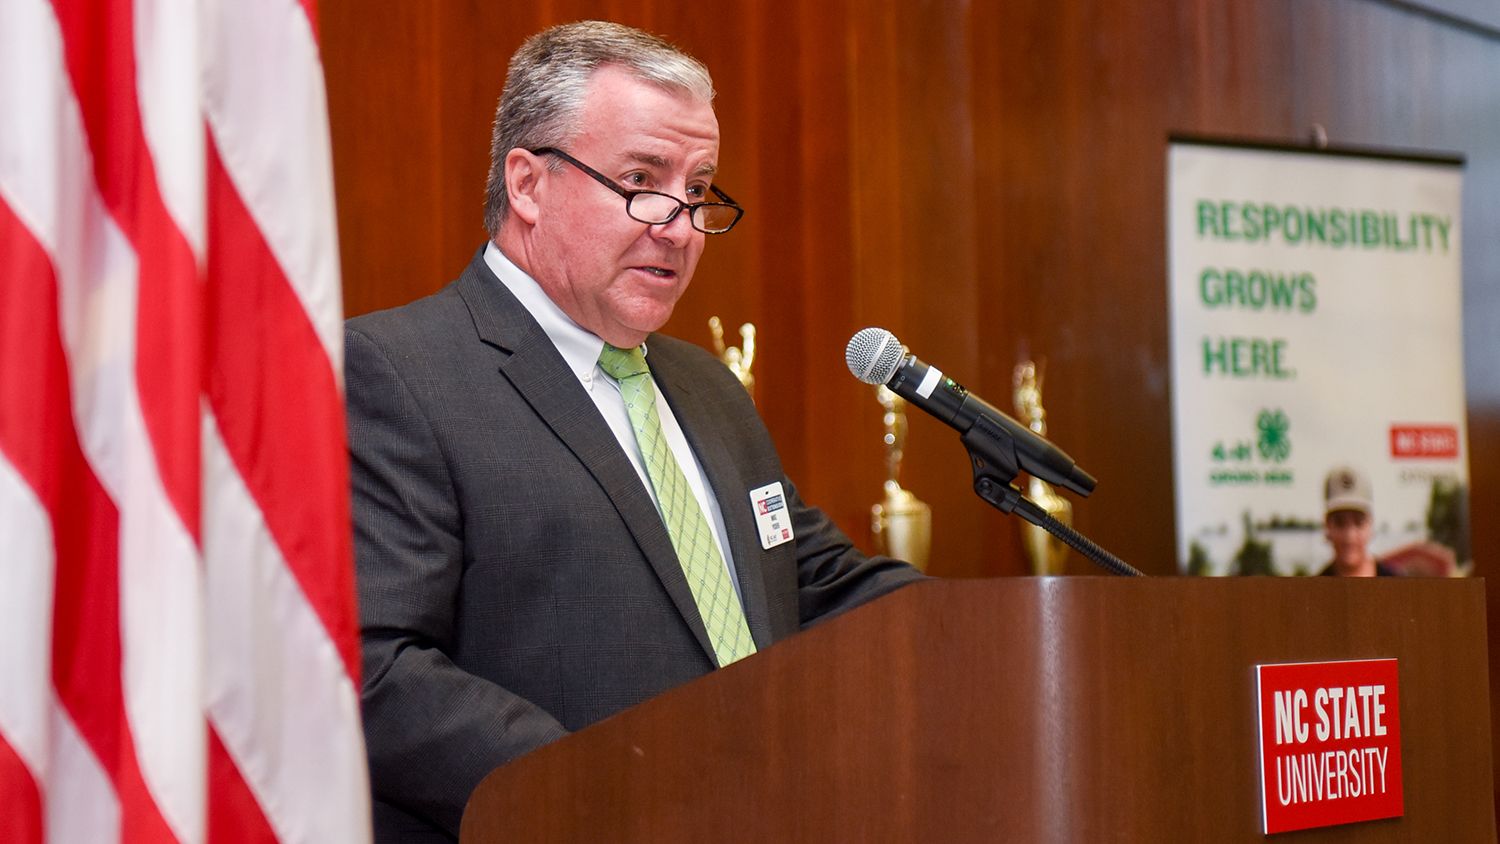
(656, 209)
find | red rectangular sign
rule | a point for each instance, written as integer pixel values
(1424, 441)
(1330, 743)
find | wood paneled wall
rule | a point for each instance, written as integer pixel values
(986, 179)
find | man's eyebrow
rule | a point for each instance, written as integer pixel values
(649, 159)
(660, 161)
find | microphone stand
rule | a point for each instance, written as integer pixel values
(992, 452)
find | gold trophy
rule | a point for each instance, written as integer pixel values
(738, 359)
(1046, 552)
(901, 524)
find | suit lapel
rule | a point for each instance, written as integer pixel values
(729, 486)
(539, 373)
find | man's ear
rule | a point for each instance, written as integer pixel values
(523, 177)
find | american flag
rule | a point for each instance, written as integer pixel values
(178, 643)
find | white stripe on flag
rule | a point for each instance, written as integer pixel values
(40, 115)
(270, 119)
(278, 694)
(162, 638)
(160, 572)
(81, 802)
(25, 621)
(169, 89)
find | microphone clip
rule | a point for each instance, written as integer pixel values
(992, 454)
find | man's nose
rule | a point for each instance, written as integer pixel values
(677, 231)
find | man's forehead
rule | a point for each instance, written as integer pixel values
(614, 94)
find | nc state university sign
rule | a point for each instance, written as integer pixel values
(1330, 743)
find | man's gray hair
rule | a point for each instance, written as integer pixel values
(548, 80)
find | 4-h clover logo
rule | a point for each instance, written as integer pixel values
(1274, 443)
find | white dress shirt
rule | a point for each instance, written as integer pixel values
(580, 348)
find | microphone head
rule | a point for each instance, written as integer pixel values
(874, 355)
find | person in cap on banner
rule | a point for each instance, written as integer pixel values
(559, 512)
(1348, 522)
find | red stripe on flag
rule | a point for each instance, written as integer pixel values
(21, 822)
(38, 434)
(272, 389)
(99, 45)
(233, 812)
(311, 9)
(35, 409)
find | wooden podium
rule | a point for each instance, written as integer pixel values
(1021, 709)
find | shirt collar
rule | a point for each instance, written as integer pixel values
(578, 346)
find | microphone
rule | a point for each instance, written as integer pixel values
(875, 356)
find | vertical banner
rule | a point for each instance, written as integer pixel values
(1316, 319)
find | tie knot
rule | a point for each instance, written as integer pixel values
(620, 364)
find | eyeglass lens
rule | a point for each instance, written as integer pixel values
(656, 208)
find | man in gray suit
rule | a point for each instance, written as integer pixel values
(558, 513)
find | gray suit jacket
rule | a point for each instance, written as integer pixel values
(515, 580)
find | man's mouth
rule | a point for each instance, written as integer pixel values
(659, 272)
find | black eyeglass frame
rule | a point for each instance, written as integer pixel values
(630, 195)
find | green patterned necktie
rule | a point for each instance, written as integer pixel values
(685, 520)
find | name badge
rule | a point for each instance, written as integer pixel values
(772, 520)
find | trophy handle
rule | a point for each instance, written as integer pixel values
(716, 328)
(747, 346)
(739, 359)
